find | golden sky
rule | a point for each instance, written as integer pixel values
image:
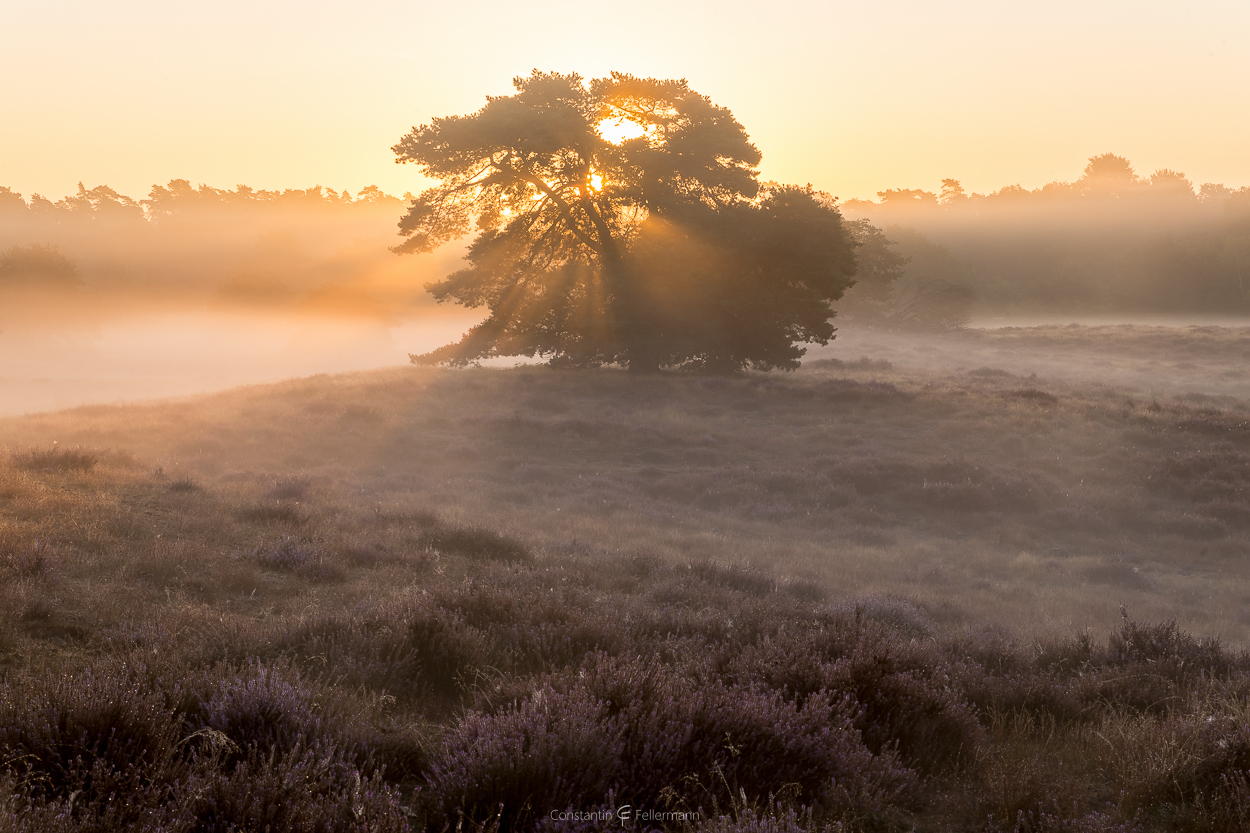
(853, 97)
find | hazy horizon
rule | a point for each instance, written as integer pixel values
(854, 100)
(793, 417)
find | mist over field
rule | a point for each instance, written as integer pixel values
(979, 563)
(625, 418)
(53, 363)
(190, 289)
(105, 298)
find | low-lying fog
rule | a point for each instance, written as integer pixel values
(197, 289)
(1152, 356)
(50, 364)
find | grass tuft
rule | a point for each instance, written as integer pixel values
(56, 460)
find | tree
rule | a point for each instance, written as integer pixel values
(622, 221)
(1172, 184)
(1108, 175)
(908, 198)
(953, 193)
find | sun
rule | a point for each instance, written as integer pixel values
(620, 130)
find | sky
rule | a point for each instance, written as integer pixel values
(851, 97)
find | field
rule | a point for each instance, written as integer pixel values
(990, 580)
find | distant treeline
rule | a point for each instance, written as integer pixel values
(1110, 242)
(314, 248)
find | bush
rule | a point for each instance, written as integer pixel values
(25, 559)
(124, 747)
(308, 788)
(551, 752)
(289, 488)
(475, 542)
(904, 693)
(650, 734)
(99, 733)
(411, 649)
(263, 707)
(56, 460)
(294, 555)
(749, 820)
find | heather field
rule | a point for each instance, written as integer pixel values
(985, 581)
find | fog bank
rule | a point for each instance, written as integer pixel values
(49, 365)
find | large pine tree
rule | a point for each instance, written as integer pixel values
(621, 221)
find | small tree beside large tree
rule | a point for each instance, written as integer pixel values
(622, 221)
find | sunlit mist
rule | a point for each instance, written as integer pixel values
(549, 416)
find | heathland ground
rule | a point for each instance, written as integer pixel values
(1039, 490)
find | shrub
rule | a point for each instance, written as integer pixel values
(374, 555)
(475, 542)
(25, 559)
(743, 579)
(289, 488)
(550, 752)
(750, 820)
(411, 649)
(543, 629)
(101, 732)
(1152, 667)
(1040, 397)
(905, 694)
(309, 788)
(1197, 766)
(649, 733)
(294, 555)
(1165, 646)
(897, 613)
(56, 460)
(264, 707)
(446, 652)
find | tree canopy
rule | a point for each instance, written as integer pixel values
(622, 221)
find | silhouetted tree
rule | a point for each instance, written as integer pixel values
(1108, 175)
(1171, 184)
(11, 202)
(907, 198)
(658, 249)
(952, 193)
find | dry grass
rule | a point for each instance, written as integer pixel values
(1030, 503)
(278, 522)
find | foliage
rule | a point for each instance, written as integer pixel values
(657, 250)
(37, 265)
